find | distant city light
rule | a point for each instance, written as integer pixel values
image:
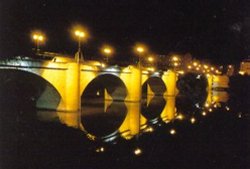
(175, 58)
(172, 131)
(227, 108)
(193, 120)
(180, 117)
(137, 151)
(204, 113)
(181, 72)
(150, 59)
(176, 64)
(100, 150)
(241, 72)
(205, 66)
(195, 63)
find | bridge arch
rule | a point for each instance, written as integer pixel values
(152, 109)
(154, 84)
(102, 108)
(192, 87)
(26, 87)
(104, 84)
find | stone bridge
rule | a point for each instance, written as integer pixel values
(61, 83)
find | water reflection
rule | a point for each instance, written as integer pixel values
(102, 117)
(107, 119)
(108, 130)
(152, 109)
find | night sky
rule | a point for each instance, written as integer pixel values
(215, 30)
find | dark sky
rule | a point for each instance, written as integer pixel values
(217, 30)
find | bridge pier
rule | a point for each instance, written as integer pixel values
(170, 78)
(168, 112)
(133, 84)
(72, 100)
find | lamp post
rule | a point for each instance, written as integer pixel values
(80, 36)
(38, 38)
(140, 50)
(107, 51)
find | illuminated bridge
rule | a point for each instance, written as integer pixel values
(63, 84)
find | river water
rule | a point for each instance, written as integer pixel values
(159, 132)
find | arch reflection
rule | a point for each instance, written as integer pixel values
(153, 86)
(101, 113)
(152, 108)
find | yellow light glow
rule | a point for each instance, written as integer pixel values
(172, 131)
(150, 59)
(137, 151)
(180, 117)
(38, 37)
(189, 67)
(204, 113)
(35, 37)
(217, 71)
(140, 49)
(175, 58)
(197, 68)
(80, 33)
(241, 72)
(103, 65)
(212, 68)
(206, 105)
(99, 150)
(210, 109)
(195, 63)
(149, 129)
(181, 72)
(176, 64)
(192, 120)
(205, 66)
(152, 69)
(107, 50)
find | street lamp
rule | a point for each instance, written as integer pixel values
(151, 59)
(140, 50)
(38, 38)
(107, 51)
(80, 34)
(175, 58)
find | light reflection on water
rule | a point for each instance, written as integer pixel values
(105, 119)
(122, 134)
